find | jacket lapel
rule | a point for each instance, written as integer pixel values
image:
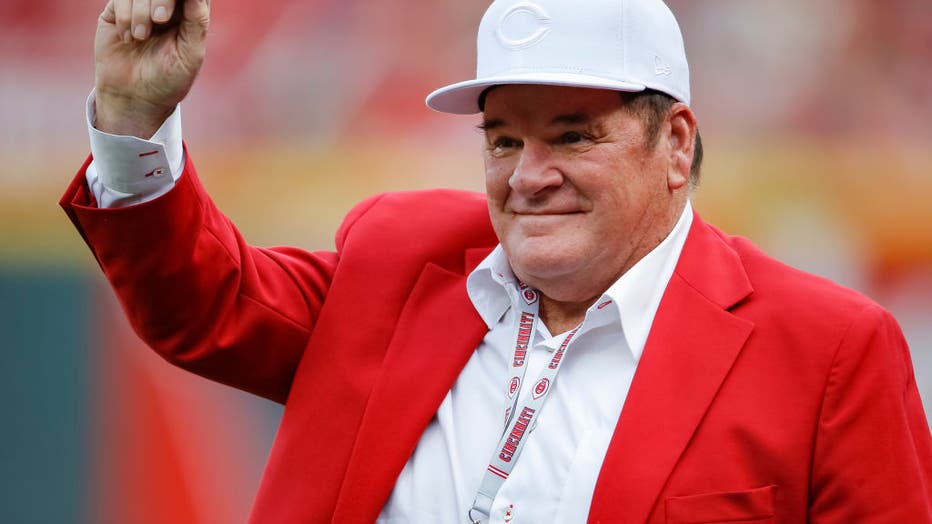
(437, 332)
(692, 345)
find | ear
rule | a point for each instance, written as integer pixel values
(682, 140)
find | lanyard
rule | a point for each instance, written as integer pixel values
(519, 422)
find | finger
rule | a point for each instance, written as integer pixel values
(195, 22)
(162, 10)
(109, 16)
(122, 12)
(142, 21)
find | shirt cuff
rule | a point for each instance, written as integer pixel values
(127, 170)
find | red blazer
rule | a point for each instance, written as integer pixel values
(764, 394)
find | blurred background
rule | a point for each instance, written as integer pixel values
(816, 118)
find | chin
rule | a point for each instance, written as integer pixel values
(540, 258)
(535, 270)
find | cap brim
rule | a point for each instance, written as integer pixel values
(462, 98)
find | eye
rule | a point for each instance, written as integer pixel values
(504, 144)
(571, 137)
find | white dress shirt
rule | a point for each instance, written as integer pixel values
(555, 476)
(127, 170)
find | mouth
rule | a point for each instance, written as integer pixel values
(545, 213)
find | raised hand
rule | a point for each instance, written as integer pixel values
(147, 55)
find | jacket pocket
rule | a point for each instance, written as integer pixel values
(752, 505)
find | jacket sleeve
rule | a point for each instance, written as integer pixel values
(872, 461)
(197, 293)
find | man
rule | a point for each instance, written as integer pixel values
(593, 352)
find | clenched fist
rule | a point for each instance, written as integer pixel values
(147, 54)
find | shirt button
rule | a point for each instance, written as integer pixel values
(509, 513)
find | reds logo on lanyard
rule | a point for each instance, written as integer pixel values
(514, 386)
(528, 294)
(541, 387)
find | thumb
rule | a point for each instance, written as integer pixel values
(194, 23)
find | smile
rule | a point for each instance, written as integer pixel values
(548, 214)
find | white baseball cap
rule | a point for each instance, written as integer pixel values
(624, 45)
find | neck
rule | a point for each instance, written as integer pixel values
(565, 312)
(559, 316)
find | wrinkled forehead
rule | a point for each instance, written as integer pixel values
(543, 103)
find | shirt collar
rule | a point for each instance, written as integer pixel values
(631, 302)
(636, 295)
(487, 286)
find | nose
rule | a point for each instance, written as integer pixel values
(535, 171)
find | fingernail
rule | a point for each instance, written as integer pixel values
(126, 36)
(139, 32)
(160, 14)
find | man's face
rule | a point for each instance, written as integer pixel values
(575, 194)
